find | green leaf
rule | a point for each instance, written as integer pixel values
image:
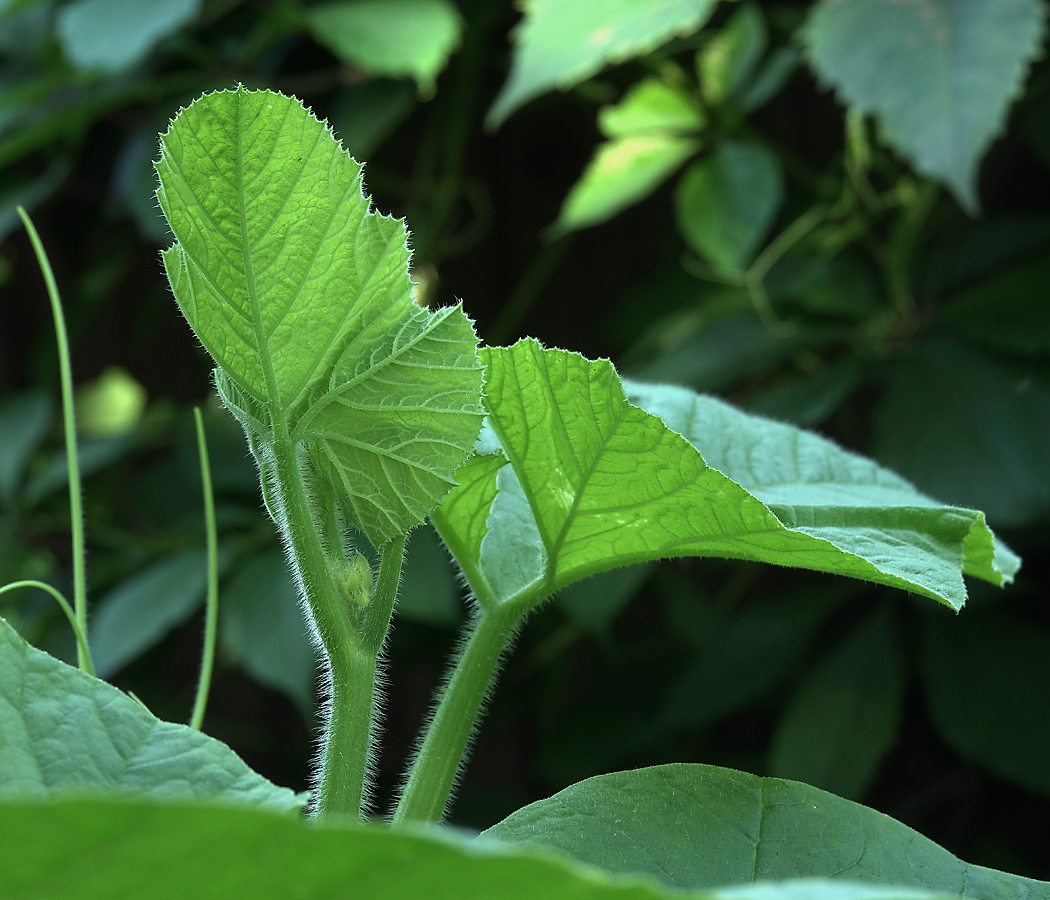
(111, 35)
(262, 627)
(1006, 311)
(94, 849)
(609, 484)
(621, 173)
(730, 57)
(390, 37)
(816, 487)
(726, 202)
(651, 105)
(301, 294)
(428, 592)
(744, 658)
(561, 44)
(139, 612)
(970, 429)
(65, 731)
(24, 422)
(594, 602)
(808, 399)
(694, 827)
(939, 76)
(986, 675)
(844, 716)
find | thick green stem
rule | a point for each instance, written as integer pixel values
(430, 781)
(76, 514)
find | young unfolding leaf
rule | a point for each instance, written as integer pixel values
(301, 294)
(67, 732)
(693, 827)
(608, 483)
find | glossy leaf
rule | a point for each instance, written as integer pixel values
(389, 37)
(67, 732)
(844, 716)
(939, 76)
(262, 627)
(970, 429)
(621, 173)
(111, 35)
(726, 202)
(561, 44)
(694, 826)
(93, 849)
(301, 294)
(139, 612)
(608, 484)
(986, 680)
(651, 105)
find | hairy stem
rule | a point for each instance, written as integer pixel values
(76, 514)
(433, 774)
(82, 647)
(211, 618)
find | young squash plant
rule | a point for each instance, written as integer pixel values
(366, 414)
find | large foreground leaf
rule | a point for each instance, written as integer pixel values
(939, 75)
(695, 826)
(301, 294)
(88, 850)
(63, 731)
(594, 483)
(560, 44)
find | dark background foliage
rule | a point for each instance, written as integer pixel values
(910, 331)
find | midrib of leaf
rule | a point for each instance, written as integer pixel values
(262, 344)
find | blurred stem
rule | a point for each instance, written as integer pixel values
(211, 620)
(76, 513)
(82, 646)
(433, 773)
(904, 243)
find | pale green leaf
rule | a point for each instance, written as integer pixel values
(140, 611)
(114, 34)
(651, 105)
(986, 677)
(262, 627)
(844, 716)
(609, 484)
(94, 850)
(621, 173)
(560, 44)
(67, 732)
(695, 827)
(939, 75)
(390, 37)
(727, 61)
(301, 294)
(727, 200)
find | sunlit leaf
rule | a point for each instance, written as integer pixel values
(651, 105)
(301, 294)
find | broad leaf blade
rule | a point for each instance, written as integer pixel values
(92, 849)
(695, 827)
(301, 293)
(609, 484)
(65, 731)
(560, 44)
(938, 75)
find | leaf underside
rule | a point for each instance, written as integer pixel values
(609, 483)
(301, 294)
